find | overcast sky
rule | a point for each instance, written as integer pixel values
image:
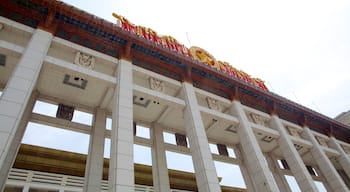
(300, 48)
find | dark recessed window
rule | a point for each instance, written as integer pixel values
(2, 59)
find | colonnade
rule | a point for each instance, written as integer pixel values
(259, 169)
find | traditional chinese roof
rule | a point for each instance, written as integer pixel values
(88, 30)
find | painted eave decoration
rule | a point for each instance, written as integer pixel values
(194, 52)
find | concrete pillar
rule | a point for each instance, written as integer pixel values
(277, 174)
(295, 163)
(121, 164)
(243, 167)
(333, 179)
(257, 166)
(94, 162)
(206, 176)
(159, 164)
(344, 158)
(25, 188)
(16, 97)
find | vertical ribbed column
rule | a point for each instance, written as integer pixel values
(344, 158)
(243, 167)
(295, 163)
(334, 180)
(257, 166)
(276, 172)
(121, 165)
(25, 188)
(206, 177)
(159, 164)
(94, 163)
(16, 97)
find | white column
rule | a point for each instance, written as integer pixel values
(206, 177)
(295, 163)
(243, 168)
(159, 164)
(344, 158)
(257, 166)
(121, 165)
(94, 162)
(333, 179)
(276, 172)
(17, 94)
(25, 188)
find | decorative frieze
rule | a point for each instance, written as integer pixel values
(322, 141)
(213, 104)
(293, 132)
(156, 84)
(258, 119)
(65, 112)
(84, 60)
(346, 149)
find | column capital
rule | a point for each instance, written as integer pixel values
(49, 24)
(234, 94)
(125, 54)
(331, 131)
(273, 109)
(187, 75)
(302, 120)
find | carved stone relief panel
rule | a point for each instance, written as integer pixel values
(156, 84)
(322, 141)
(84, 60)
(213, 104)
(346, 149)
(258, 119)
(298, 147)
(293, 132)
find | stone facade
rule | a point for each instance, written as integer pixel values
(133, 83)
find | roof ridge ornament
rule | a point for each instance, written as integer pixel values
(193, 52)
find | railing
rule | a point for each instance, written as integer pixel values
(22, 177)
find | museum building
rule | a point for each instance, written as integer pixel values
(54, 53)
